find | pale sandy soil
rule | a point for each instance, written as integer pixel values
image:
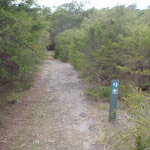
(57, 115)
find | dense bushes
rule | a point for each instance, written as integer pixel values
(110, 43)
(114, 43)
(136, 136)
(23, 38)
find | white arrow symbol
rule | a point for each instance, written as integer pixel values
(114, 91)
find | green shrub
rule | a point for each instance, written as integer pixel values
(105, 92)
(91, 92)
(27, 86)
(110, 44)
(136, 136)
(13, 98)
(18, 85)
(96, 94)
(124, 90)
(63, 41)
(23, 40)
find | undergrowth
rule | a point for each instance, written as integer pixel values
(14, 92)
(137, 136)
(99, 94)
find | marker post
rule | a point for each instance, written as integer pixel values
(113, 99)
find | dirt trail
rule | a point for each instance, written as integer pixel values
(74, 124)
(62, 118)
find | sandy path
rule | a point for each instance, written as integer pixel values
(62, 118)
(74, 124)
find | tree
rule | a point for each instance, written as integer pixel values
(112, 43)
(23, 37)
(67, 16)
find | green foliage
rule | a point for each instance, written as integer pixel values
(124, 89)
(16, 148)
(108, 44)
(23, 38)
(66, 17)
(137, 136)
(137, 57)
(91, 92)
(96, 94)
(21, 86)
(105, 92)
(13, 98)
(63, 41)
